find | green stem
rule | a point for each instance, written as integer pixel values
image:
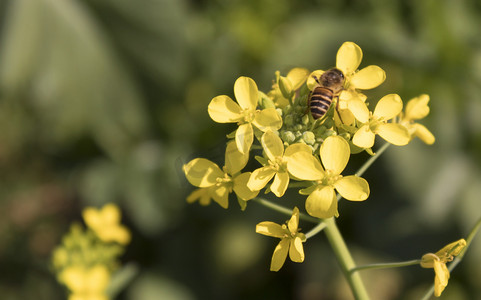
(387, 265)
(284, 210)
(372, 159)
(316, 229)
(345, 259)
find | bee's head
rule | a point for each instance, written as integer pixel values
(332, 78)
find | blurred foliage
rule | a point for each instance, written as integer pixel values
(104, 100)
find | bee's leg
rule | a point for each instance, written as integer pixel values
(337, 110)
(316, 79)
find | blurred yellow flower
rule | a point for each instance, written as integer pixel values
(322, 201)
(417, 108)
(106, 223)
(222, 109)
(276, 165)
(217, 184)
(438, 261)
(86, 283)
(386, 109)
(291, 240)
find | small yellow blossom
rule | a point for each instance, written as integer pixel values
(291, 240)
(286, 86)
(438, 261)
(277, 165)
(334, 154)
(386, 109)
(217, 184)
(417, 108)
(106, 223)
(86, 283)
(348, 59)
(222, 109)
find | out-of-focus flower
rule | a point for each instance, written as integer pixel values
(417, 108)
(105, 222)
(86, 283)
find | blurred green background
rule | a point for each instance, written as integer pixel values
(104, 100)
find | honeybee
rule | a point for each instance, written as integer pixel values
(329, 86)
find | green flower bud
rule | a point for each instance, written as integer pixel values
(305, 119)
(265, 101)
(346, 136)
(289, 120)
(309, 137)
(288, 136)
(285, 87)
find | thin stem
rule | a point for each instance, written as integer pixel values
(372, 159)
(387, 265)
(345, 259)
(284, 210)
(318, 228)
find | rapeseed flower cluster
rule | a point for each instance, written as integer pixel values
(296, 150)
(87, 257)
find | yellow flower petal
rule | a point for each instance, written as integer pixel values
(280, 254)
(393, 133)
(280, 183)
(388, 107)
(296, 250)
(244, 136)
(348, 57)
(364, 137)
(298, 147)
(304, 165)
(202, 172)
(297, 77)
(335, 154)
(441, 277)
(201, 194)
(452, 249)
(220, 194)
(352, 188)
(322, 203)
(270, 229)
(359, 109)
(423, 133)
(311, 81)
(368, 78)
(293, 223)
(246, 93)
(417, 108)
(241, 189)
(260, 177)
(267, 119)
(235, 161)
(222, 109)
(272, 145)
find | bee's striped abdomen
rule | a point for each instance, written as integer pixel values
(320, 101)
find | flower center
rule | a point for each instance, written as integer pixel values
(330, 178)
(278, 164)
(248, 115)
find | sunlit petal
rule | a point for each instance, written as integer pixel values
(311, 80)
(267, 119)
(393, 133)
(364, 137)
(244, 136)
(297, 77)
(417, 108)
(335, 154)
(348, 57)
(296, 250)
(441, 277)
(423, 133)
(202, 172)
(260, 177)
(241, 189)
(280, 183)
(272, 144)
(368, 78)
(304, 165)
(222, 109)
(280, 255)
(235, 161)
(352, 188)
(388, 107)
(220, 194)
(246, 93)
(322, 203)
(359, 109)
(293, 221)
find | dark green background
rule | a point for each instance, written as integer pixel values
(104, 100)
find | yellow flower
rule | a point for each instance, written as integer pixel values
(348, 59)
(216, 183)
(106, 223)
(86, 284)
(376, 123)
(291, 240)
(417, 108)
(286, 86)
(438, 261)
(276, 165)
(222, 109)
(322, 201)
